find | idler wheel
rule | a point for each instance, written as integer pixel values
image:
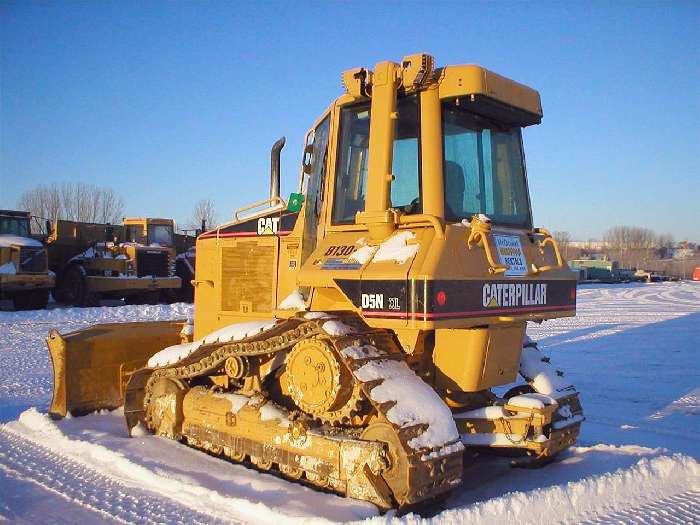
(164, 411)
(397, 476)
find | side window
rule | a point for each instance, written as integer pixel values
(405, 188)
(314, 193)
(351, 175)
(314, 189)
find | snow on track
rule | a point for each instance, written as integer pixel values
(631, 352)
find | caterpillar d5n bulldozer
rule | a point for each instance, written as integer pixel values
(352, 335)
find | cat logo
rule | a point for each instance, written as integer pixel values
(268, 225)
(514, 294)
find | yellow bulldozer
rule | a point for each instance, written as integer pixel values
(352, 336)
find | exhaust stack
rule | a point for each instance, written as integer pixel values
(275, 168)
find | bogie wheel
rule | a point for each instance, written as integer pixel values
(291, 472)
(32, 299)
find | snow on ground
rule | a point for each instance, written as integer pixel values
(632, 352)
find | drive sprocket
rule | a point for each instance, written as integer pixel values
(320, 384)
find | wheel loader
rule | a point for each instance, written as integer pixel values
(353, 336)
(135, 260)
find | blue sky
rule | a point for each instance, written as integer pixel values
(171, 102)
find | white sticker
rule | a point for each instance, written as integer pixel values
(510, 253)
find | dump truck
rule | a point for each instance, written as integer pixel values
(134, 260)
(353, 335)
(25, 278)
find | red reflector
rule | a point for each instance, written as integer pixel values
(441, 298)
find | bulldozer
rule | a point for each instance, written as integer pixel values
(135, 260)
(354, 337)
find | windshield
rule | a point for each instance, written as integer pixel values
(14, 226)
(160, 234)
(134, 233)
(483, 169)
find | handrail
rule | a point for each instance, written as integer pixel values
(423, 218)
(548, 239)
(479, 236)
(271, 202)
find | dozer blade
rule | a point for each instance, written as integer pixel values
(92, 366)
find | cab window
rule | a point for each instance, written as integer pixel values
(483, 168)
(351, 173)
(134, 233)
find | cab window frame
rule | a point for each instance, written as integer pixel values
(339, 157)
(497, 126)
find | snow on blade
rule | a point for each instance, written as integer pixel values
(294, 301)
(227, 334)
(416, 402)
(396, 248)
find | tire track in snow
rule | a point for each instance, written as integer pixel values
(679, 508)
(91, 489)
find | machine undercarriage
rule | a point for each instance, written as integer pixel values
(319, 399)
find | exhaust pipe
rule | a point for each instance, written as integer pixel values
(275, 168)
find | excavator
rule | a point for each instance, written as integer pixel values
(368, 334)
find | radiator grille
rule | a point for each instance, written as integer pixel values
(152, 262)
(247, 275)
(33, 260)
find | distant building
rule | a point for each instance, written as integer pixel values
(588, 245)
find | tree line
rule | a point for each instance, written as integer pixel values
(633, 246)
(73, 201)
(78, 201)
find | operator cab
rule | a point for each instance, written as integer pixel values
(479, 167)
(14, 223)
(149, 232)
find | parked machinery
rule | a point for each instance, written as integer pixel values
(135, 260)
(353, 335)
(24, 274)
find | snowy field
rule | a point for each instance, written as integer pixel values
(632, 351)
